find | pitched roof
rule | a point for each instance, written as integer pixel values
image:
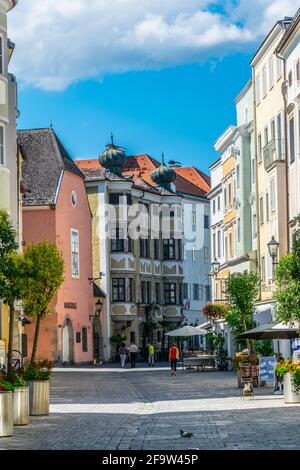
(189, 180)
(45, 159)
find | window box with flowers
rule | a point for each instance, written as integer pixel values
(289, 371)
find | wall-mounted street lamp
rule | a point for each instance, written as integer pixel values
(98, 309)
(215, 267)
(92, 279)
(273, 246)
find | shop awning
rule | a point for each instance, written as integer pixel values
(272, 330)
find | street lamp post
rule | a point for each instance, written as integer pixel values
(273, 246)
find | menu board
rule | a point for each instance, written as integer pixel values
(267, 368)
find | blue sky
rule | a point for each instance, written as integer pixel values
(161, 75)
(180, 110)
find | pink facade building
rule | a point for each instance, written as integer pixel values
(56, 208)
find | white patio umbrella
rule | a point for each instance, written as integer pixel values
(187, 331)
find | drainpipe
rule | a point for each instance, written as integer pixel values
(256, 180)
(284, 95)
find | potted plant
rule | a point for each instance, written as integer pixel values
(289, 371)
(21, 398)
(6, 407)
(38, 376)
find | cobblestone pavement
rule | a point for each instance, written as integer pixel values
(112, 408)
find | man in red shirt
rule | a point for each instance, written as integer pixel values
(173, 357)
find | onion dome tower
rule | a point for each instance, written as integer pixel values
(113, 158)
(163, 176)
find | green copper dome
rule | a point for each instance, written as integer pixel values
(163, 175)
(113, 158)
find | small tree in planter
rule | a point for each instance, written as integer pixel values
(42, 269)
(10, 286)
(241, 290)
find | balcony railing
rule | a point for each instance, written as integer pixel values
(273, 152)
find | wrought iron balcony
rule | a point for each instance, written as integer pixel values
(273, 152)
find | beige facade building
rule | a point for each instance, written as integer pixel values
(271, 177)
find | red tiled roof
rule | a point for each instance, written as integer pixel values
(189, 180)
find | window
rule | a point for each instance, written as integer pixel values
(259, 148)
(263, 269)
(214, 206)
(118, 289)
(157, 293)
(225, 198)
(196, 291)
(267, 208)
(184, 252)
(239, 230)
(219, 203)
(84, 340)
(200, 292)
(278, 68)
(131, 296)
(292, 140)
(206, 221)
(194, 253)
(272, 194)
(117, 244)
(145, 247)
(279, 137)
(75, 252)
(194, 217)
(230, 245)
(229, 195)
(261, 210)
(169, 248)
(207, 293)
(264, 81)
(119, 198)
(170, 293)
(298, 70)
(226, 248)
(214, 246)
(156, 248)
(1, 56)
(216, 290)
(257, 88)
(206, 254)
(254, 228)
(74, 198)
(219, 244)
(290, 78)
(238, 176)
(185, 290)
(271, 77)
(146, 290)
(266, 135)
(2, 159)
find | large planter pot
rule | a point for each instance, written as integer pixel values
(39, 391)
(6, 414)
(290, 396)
(21, 406)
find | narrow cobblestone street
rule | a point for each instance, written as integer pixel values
(111, 408)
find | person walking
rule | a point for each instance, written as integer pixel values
(173, 358)
(151, 355)
(133, 352)
(122, 354)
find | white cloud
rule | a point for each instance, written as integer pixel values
(61, 42)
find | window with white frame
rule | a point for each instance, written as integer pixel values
(219, 243)
(230, 245)
(264, 81)
(238, 229)
(225, 248)
(263, 269)
(267, 207)
(219, 203)
(75, 252)
(214, 206)
(1, 56)
(2, 156)
(272, 194)
(257, 88)
(214, 246)
(259, 148)
(278, 68)
(229, 195)
(271, 76)
(261, 210)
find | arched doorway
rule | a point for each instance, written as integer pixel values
(67, 342)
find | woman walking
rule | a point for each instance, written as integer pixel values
(173, 357)
(123, 354)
